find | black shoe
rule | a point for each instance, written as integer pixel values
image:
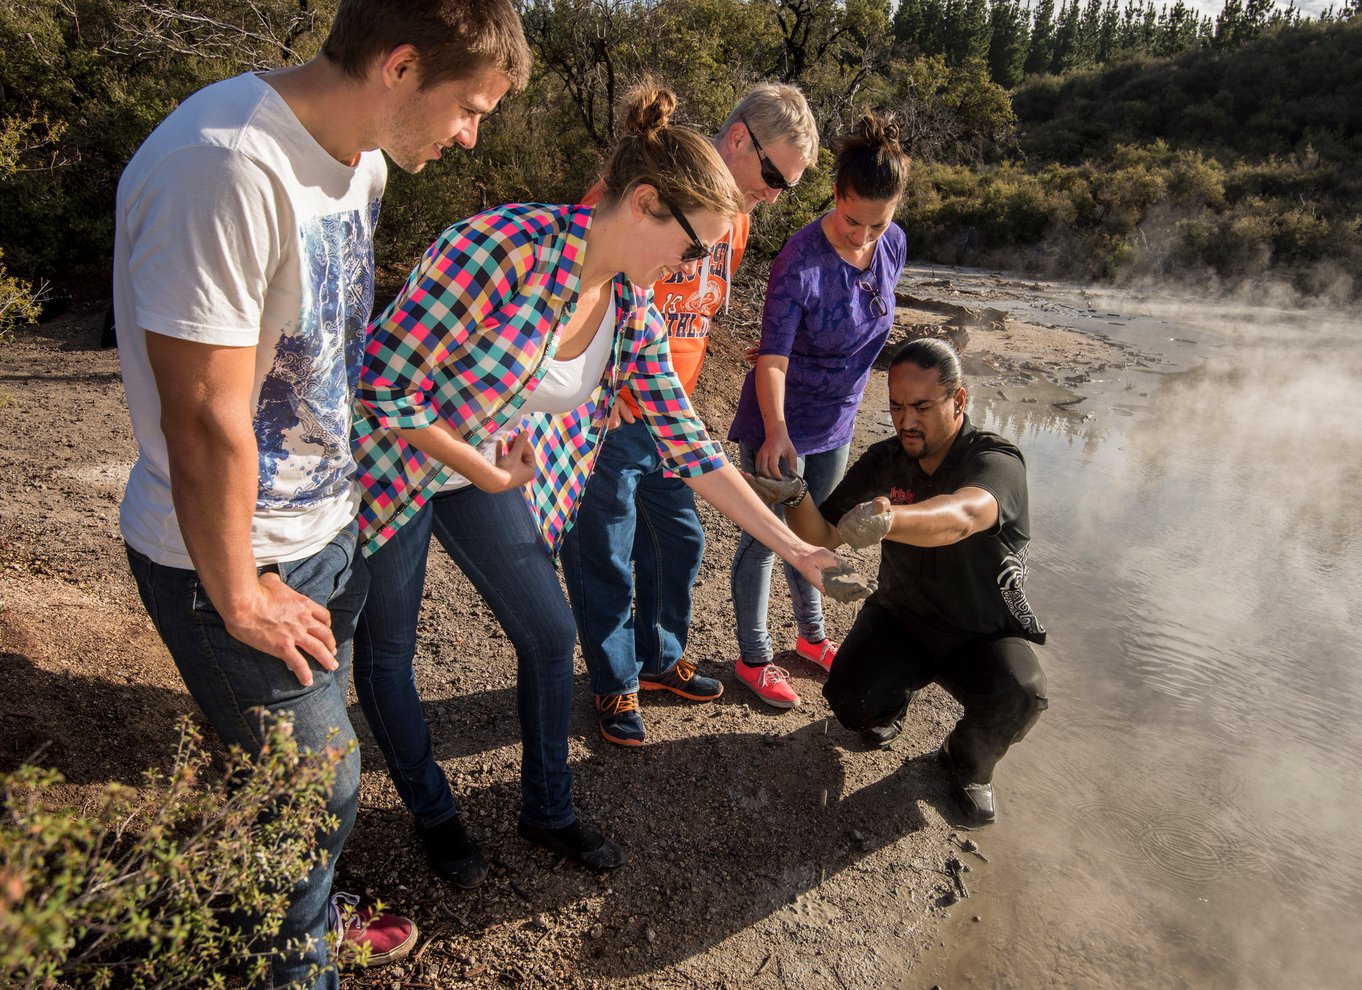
(883, 736)
(452, 854)
(577, 841)
(975, 800)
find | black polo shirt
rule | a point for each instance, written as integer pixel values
(951, 594)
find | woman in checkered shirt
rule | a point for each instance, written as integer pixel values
(486, 388)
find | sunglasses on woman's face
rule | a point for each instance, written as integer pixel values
(771, 175)
(697, 251)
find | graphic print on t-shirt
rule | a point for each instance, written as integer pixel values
(688, 300)
(1012, 584)
(302, 422)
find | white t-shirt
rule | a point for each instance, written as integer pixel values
(564, 387)
(235, 227)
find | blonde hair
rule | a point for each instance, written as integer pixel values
(680, 163)
(778, 111)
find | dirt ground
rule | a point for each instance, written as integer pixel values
(768, 849)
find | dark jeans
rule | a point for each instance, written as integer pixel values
(230, 681)
(629, 562)
(495, 542)
(997, 679)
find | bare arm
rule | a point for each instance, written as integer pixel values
(726, 491)
(769, 379)
(514, 466)
(809, 524)
(205, 392)
(943, 520)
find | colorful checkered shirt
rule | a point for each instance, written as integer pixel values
(466, 341)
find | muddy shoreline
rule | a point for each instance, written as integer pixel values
(767, 848)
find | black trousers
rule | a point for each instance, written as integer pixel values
(997, 679)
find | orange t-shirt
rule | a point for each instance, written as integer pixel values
(688, 303)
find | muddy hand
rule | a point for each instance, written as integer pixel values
(772, 490)
(842, 583)
(866, 524)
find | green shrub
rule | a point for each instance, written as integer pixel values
(136, 888)
(18, 304)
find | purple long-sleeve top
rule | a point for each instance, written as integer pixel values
(822, 315)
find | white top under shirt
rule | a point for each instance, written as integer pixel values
(236, 228)
(564, 387)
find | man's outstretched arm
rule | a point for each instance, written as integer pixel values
(205, 392)
(943, 520)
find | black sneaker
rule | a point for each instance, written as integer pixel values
(883, 736)
(683, 680)
(452, 854)
(577, 841)
(974, 799)
(619, 719)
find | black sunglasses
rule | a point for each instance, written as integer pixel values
(771, 175)
(877, 306)
(697, 250)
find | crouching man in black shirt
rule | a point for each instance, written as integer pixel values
(949, 503)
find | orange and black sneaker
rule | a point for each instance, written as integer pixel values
(683, 680)
(619, 719)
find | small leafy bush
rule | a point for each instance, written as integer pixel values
(18, 302)
(152, 887)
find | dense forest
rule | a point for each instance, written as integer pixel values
(1084, 139)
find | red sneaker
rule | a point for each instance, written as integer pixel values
(390, 937)
(771, 683)
(822, 652)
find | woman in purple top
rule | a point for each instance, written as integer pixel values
(829, 307)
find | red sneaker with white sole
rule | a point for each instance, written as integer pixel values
(770, 683)
(390, 937)
(822, 652)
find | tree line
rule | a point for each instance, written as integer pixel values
(1049, 137)
(1017, 40)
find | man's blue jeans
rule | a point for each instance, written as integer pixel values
(629, 562)
(229, 681)
(495, 542)
(751, 571)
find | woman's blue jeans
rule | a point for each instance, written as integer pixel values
(495, 542)
(751, 571)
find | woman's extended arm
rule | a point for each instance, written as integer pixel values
(726, 491)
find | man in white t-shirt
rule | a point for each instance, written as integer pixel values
(243, 281)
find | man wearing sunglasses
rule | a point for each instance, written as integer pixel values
(634, 621)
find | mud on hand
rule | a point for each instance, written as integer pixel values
(866, 524)
(843, 583)
(772, 490)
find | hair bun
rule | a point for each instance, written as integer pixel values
(647, 108)
(882, 131)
